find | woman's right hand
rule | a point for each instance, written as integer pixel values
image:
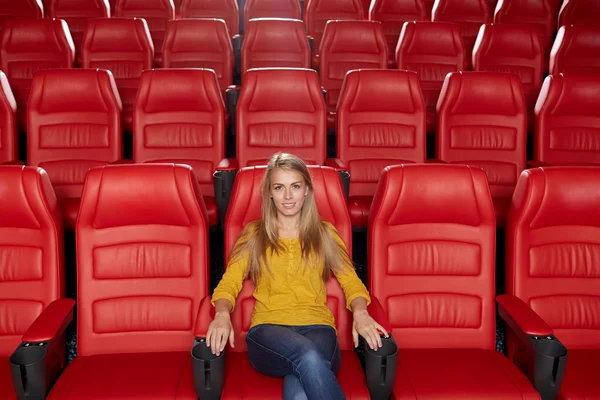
(219, 330)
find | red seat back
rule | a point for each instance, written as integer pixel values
(226, 10)
(10, 9)
(179, 116)
(567, 120)
(31, 245)
(551, 256)
(141, 271)
(289, 9)
(578, 12)
(431, 255)
(8, 122)
(280, 109)
(244, 207)
(576, 49)
(275, 42)
(74, 124)
(381, 121)
(200, 43)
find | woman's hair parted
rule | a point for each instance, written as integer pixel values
(317, 242)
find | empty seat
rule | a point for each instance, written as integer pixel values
(579, 12)
(74, 124)
(274, 42)
(469, 14)
(432, 50)
(142, 269)
(8, 123)
(289, 9)
(76, 13)
(381, 121)
(10, 9)
(156, 13)
(29, 46)
(280, 110)
(122, 46)
(348, 45)
(392, 14)
(31, 281)
(200, 43)
(551, 277)
(241, 381)
(516, 49)
(567, 129)
(431, 244)
(576, 49)
(179, 117)
(227, 10)
(318, 12)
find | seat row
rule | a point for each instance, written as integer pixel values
(142, 286)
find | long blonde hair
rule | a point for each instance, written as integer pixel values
(316, 237)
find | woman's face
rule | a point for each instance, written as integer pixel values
(288, 191)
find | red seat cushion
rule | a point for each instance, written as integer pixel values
(145, 376)
(69, 207)
(581, 376)
(459, 374)
(7, 392)
(359, 207)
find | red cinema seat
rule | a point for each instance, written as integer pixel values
(227, 10)
(431, 244)
(432, 50)
(381, 122)
(156, 13)
(567, 121)
(33, 310)
(275, 42)
(122, 46)
(76, 13)
(348, 45)
(32, 45)
(72, 128)
(179, 117)
(241, 380)
(112, 4)
(393, 14)
(579, 12)
(200, 43)
(10, 9)
(288, 9)
(576, 50)
(142, 269)
(280, 109)
(552, 287)
(8, 123)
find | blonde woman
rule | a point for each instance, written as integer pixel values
(289, 255)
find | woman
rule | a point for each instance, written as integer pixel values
(289, 255)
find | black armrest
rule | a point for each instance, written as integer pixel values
(324, 92)
(311, 43)
(237, 41)
(223, 183)
(380, 368)
(231, 95)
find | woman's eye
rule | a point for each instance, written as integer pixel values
(296, 186)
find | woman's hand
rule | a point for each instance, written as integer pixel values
(219, 330)
(365, 326)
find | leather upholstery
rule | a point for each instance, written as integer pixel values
(482, 121)
(392, 14)
(226, 10)
(348, 45)
(431, 248)
(156, 13)
(142, 269)
(516, 49)
(280, 110)
(381, 121)
(124, 47)
(31, 45)
(179, 117)
(275, 42)
(568, 122)
(577, 12)
(10, 9)
(200, 43)
(432, 49)
(241, 380)
(74, 125)
(31, 257)
(289, 9)
(552, 263)
(576, 50)
(8, 122)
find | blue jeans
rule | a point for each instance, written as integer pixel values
(308, 357)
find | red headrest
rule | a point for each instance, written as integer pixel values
(226, 10)
(117, 35)
(37, 35)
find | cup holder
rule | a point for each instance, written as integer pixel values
(381, 368)
(550, 361)
(208, 370)
(29, 370)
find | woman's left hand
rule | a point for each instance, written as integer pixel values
(365, 326)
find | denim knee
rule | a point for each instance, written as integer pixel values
(311, 359)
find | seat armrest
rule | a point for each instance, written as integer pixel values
(223, 179)
(236, 43)
(521, 318)
(324, 93)
(435, 161)
(311, 43)
(51, 323)
(206, 313)
(336, 164)
(227, 164)
(14, 162)
(377, 312)
(537, 164)
(122, 161)
(342, 171)
(231, 98)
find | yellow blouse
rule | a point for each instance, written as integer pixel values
(294, 294)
